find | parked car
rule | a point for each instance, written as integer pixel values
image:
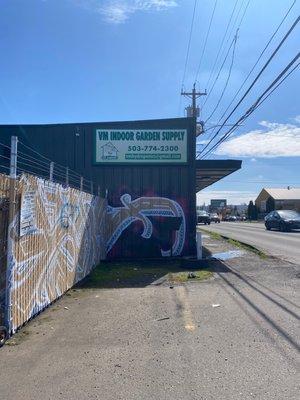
(284, 220)
(215, 218)
(232, 218)
(203, 218)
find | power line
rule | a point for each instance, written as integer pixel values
(232, 42)
(276, 83)
(221, 45)
(188, 52)
(258, 103)
(227, 80)
(279, 83)
(206, 38)
(256, 78)
(260, 56)
(235, 126)
(220, 70)
(189, 42)
(244, 13)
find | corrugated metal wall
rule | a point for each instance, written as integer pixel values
(57, 236)
(72, 145)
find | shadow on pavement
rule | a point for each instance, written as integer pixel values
(134, 274)
(221, 266)
(128, 274)
(141, 273)
(262, 313)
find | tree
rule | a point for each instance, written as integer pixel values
(252, 211)
(255, 212)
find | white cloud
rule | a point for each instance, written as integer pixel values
(118, 11)
(297, 119)
(232, 196)
(277, 140)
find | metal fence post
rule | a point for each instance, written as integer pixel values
(11, 216)
(51, 171)
(92, 188)
(98, 190)
(67, 176)
(81, 183)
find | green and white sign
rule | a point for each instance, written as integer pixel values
(167, 146)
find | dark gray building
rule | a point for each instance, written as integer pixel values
(147, 169)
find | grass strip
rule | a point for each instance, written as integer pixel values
(236, 243)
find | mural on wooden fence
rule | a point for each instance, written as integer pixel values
(58, 236)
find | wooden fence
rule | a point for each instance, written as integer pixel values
(57, 235)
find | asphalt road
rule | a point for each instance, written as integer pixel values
(156, 342)
(285, 245)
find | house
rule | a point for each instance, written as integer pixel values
(278, 199)
(109, 152)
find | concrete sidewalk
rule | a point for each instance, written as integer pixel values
(235, 336)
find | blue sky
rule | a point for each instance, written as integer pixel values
(107, 60)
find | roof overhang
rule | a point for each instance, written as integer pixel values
(211, 171)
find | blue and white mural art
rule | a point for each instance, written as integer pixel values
(56, 241)
(59, 234)
(141, 210)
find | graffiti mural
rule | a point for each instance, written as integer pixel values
(141, 209)
(58, 234)
(68, 239)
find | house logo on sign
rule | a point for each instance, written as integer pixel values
(109, 152)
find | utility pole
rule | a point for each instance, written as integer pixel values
(194, 110)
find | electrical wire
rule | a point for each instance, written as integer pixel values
(229, 133)
(274, 85)
(256, 78)
(260, 56)
(206, 38)
(189, 42)
(220, 70)
(187, 53)
(210, 90)
(278, 84)
(221, 45)
(227, 80)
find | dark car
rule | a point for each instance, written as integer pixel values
(203, 218)
(215, 218)
(284, 220)
(232, 218)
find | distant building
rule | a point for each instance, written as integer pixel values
(278, 199)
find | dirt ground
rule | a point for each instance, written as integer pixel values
(231, 335)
